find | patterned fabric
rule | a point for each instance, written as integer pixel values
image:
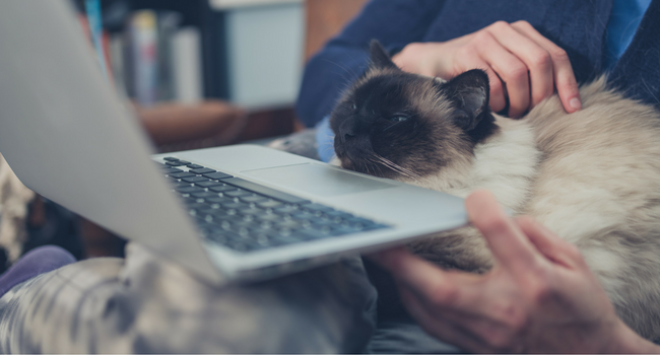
(14, 197)
(33, 263)
(147, 304)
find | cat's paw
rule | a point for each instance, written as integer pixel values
(461, 249)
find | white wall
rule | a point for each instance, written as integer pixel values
(265, 52)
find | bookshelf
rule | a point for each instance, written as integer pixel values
(251, 50)
(120, 17)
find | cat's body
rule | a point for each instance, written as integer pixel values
(592, 177)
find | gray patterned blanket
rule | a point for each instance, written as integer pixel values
(148, 305)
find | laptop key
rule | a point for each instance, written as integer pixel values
(354, 219)
(206, 183)
(317, 207)
(303, 215)
(217, 175)
(181, 175)
(289, 224)
(253, 198)
(170, 159)
(344, 230)
(237, 193)
(202, 171)
(175, 163)
(269, 217)
(204, 194)
(262, 190)
(218, 199)
(169, 170)
(319, 222)
(286, 209)
(196, 206)
(311, 234)
(194, 166)
(211, 211)
(195, 179)
(236, 205)
(222, 188)
(269, 204)
(189, 189)
(339, 214)
(374, 226)
(252, 211)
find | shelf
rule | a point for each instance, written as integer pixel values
(222, 5)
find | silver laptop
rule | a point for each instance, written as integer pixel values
(230, 213)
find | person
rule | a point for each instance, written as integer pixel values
(528, 49)
(540, 296)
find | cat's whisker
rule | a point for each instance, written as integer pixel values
(374, 159)
(391, 126)
(369, 158)
(390, 164)
(401, 169)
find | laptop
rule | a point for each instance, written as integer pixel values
(235, 213)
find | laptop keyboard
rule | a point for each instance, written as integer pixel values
(245, 216)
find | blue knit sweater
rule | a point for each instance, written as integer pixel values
(577, 26)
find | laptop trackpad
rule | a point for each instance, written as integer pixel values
(318, 179)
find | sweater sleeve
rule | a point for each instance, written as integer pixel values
(394, 23)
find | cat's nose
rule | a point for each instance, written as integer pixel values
(346, 130)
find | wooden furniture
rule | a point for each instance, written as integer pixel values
(324, 19)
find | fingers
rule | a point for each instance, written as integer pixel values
(523, 66)
(530, 65)
(414, 271)
(443, 289)
(443, 305)
(564, 77)
(509, 245)
(510, 69)
(438, 324)
(548, 243)
(535, 58)
(470, 59)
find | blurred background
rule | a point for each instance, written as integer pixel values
(249, 54)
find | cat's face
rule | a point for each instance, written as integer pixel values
(396, 124)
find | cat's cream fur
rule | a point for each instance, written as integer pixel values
(592, 177)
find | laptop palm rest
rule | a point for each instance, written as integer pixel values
(319, 180)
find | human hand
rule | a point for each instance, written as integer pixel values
(521, 64)
(539, 297)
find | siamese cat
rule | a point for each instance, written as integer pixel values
(592, 177)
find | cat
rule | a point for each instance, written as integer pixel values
(592, 177)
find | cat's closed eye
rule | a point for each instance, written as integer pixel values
(398, 118)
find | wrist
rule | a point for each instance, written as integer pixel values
(626, 341)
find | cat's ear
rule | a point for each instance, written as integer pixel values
(470, 92)
(379, 57)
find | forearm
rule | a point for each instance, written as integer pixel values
(629, 342)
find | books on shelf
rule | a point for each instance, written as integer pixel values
(156, 60)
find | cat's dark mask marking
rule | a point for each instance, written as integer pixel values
(392, 123)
